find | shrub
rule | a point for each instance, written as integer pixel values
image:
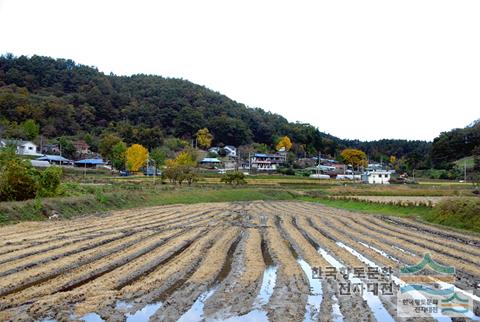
(49, 182)
(17, 182)
(176, 173)
(236, 178)
(20, 181)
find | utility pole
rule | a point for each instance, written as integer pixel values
(465, 163)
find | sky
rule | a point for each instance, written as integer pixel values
(364, 70)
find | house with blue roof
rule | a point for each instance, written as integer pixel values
(55, 159)
(267, 162)
(89, 163)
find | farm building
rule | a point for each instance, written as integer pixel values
(55, 159)
(210, 162)
(376, 177)
(89, 163)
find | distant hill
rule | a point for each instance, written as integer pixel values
(455, 144)
(69, 99)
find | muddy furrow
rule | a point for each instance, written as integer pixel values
(352, 307)
(161, 283)
(391, 257)
(43, 273)
(452, 258)
(236, 295)
(52, 230)
(22, 252)
(469, 238)
(398, 250)
(145, 242)
(56, 254)
(341, 236)
(89, 297)
(213, 269)
(83, 274)
(150, 225)
(290, 294)
(89, 225)
(451, 247)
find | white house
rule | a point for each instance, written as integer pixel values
(23, 147)
(377, 177)
(229, 149)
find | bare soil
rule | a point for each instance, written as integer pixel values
(209, 261)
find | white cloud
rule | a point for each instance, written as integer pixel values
(356, 69)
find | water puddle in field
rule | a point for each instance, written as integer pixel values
(269, 279)
(381, 252)
(316, 294)
(195, 313)
(337, 315)
(381, 314)
(404, 251)
(144, 313)
(263, 297)
(399, 282)
(92, 317)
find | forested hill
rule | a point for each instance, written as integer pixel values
(456, 144)
(68, 99)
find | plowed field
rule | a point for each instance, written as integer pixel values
(245, 261)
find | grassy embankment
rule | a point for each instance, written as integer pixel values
(103, 194)
(461, 213)
(99, 199)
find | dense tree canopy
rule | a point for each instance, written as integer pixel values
(455, 144)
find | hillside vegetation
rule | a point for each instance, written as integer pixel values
(69, 99)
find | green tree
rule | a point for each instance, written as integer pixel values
(159, 155)
(30, 129)
(476, 159)
(67, 148)
(107, 142)
(118, 155)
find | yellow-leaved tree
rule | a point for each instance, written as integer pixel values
(357, 158)
(181, 168)
(284, 142)
(204, 138)
(136, 156)
(393, 159)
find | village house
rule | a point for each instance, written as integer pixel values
(230, 150)
(53, 149)
(266, 162)
(376, 177)
(27, 148)
(82, 149)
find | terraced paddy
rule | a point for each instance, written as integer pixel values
(242, 261)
